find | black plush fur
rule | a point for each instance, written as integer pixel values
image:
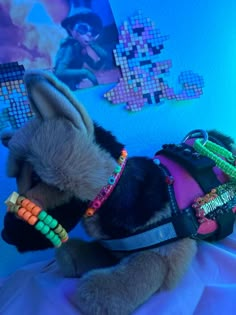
(143, 192)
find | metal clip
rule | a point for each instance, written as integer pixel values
(196, 134)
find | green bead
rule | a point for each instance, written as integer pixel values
(117, 169)
(58, 229)
(63, 233)
(53, 223)
(57, 244)
(42, 215)
(48, 220)
(39, 225)
(121, 160)
(45, 229)
(56, 240)
(50, 235)
(55, 237)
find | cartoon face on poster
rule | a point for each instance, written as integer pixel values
(75, 39)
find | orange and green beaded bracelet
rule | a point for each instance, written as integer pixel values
(35, 216)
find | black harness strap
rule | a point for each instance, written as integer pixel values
(198, 166)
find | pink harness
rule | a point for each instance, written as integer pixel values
(187, 189)
(201, 209)
(185, 186)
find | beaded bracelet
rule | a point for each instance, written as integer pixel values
(213, 150)
(108, 188)
(35, 216)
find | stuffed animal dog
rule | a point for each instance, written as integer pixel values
(144, 215)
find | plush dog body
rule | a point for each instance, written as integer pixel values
(61, 161)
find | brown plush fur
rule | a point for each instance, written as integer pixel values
(119, 290)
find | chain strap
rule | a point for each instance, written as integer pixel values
(212, 150)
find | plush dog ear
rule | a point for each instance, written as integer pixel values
(51, 98)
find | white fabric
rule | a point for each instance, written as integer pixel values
(208, 288)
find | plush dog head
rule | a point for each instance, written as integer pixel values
(53, 157)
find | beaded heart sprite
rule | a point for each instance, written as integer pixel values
(35, 216)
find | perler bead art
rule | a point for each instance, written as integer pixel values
(143, 80)
(14, 106)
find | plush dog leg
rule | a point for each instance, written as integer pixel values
(76, 257)
(121, 289)
(178, 257)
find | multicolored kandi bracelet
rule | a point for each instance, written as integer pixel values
(35, 216)
(108, 188)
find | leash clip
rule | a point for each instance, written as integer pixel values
(195, 134)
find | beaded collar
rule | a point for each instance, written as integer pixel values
(108, 188)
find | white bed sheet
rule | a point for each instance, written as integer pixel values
(208, 288)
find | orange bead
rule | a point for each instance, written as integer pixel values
(89, 212)
(32, 220)
(124, 153)
(21, 212)
(30, 206)
(36, 210)
(26, 215)
(25, 202)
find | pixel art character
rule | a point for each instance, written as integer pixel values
(14, 105)
(143, 73)
(83, 27)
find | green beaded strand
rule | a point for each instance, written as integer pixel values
(51, 235)
(210, 149)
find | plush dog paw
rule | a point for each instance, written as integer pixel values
(77, 257)
(66, 258)
(101, 293)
